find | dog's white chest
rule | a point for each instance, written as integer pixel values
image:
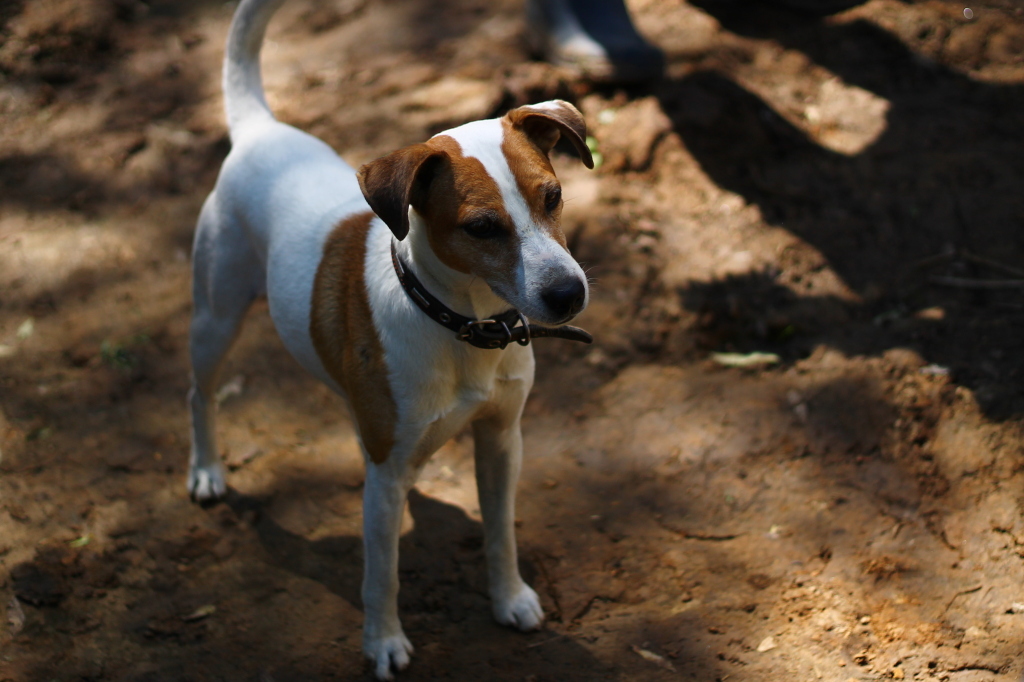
(441, 409)
(438, 386)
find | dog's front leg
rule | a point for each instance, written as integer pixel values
(384, 498)
(499, 454)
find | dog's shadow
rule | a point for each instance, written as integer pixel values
(441, 560)
(443, 599)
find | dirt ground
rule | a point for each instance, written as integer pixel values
(845, 193)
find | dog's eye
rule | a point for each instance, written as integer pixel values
(553, 199)
(482, 229)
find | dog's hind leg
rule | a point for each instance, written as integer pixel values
(227, 278)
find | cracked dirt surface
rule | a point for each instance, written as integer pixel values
(831, 191)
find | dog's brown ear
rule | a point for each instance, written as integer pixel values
(393, 182)
(545, 122)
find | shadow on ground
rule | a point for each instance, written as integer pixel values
(893, 220)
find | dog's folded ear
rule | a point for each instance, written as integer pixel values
(545, 122)
(393, 182)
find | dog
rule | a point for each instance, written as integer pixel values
(412, 288)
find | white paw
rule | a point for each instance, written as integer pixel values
(206, 483)
(387, 654)
(522, 610)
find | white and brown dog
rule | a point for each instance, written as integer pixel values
(400, 287)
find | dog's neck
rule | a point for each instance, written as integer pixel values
(465, 294)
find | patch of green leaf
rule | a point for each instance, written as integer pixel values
(117, 355)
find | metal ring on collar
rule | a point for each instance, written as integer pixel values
(525, 341)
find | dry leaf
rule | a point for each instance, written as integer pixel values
(204, 611)
(756, 359)
(654, 658)
(80, 542)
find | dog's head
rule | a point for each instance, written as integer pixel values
(491, 205)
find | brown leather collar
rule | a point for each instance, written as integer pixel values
(496, 332)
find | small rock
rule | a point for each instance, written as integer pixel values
(974, 633)
(629, 135)
(903, 359)
(767, 644)
(15, 616)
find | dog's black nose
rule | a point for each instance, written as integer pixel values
(566, 299)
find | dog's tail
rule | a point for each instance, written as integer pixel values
(243, 84)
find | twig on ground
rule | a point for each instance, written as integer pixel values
(977, 260)
(695, 534)
(928, 261)
(996, 265)
(965, 283)
(544, 641)
(961, 593)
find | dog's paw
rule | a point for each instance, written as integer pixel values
(522, 610)
(206, 484)
(387, 654)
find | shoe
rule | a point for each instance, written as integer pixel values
(597, 37)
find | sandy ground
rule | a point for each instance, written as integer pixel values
(831, 191)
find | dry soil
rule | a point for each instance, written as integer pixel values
(845, 193)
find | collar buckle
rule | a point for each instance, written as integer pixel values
(486, 334)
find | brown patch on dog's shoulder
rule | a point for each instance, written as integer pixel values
(341, 326)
